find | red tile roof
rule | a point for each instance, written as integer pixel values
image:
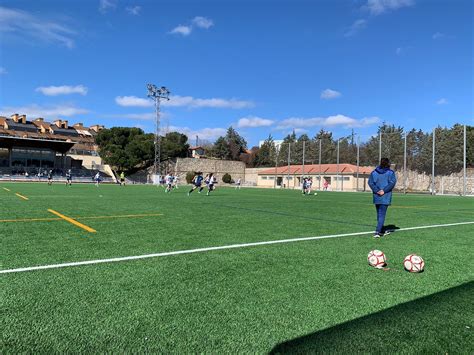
(313, 169)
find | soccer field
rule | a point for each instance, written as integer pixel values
(310, 295)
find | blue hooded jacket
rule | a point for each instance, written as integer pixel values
(382, 179)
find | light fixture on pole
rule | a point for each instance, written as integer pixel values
(157, 94)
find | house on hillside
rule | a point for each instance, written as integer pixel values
(339, 177)
(197, 152)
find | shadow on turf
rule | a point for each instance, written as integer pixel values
(438, 323)
(390, 228)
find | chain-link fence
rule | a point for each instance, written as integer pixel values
(437, 162)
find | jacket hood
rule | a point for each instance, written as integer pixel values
(381, 170)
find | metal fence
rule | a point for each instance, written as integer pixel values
(436, 162)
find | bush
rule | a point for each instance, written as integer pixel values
(189, 177)
(227, 178)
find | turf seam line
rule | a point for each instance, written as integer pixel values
(201, 250)
(72, 221)
(6, 189)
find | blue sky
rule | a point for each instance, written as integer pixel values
(262, 66)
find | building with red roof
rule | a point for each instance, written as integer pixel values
(340, 177)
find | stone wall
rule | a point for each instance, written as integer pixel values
(236, 169)
(451, 184)
(251, 176)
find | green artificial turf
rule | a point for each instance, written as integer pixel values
(309, 296)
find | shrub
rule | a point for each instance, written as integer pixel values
(189, 177)
(227, 178)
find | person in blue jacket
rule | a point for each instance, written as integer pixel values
(382, 181)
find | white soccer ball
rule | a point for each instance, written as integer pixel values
(414, 263)
(315, 194)
(376, 258)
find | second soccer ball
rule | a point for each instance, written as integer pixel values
(376, 258)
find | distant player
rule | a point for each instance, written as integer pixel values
(237, 184)
(382, 181)
(197, 182)
(97, 179)
(309, 186)
(211, 180)
(50, 177)
(304, 186)
(68, 178)
(175, 182)
(169, 182)
(122, 179)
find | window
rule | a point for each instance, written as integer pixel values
(264, 177)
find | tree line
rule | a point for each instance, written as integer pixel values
(132, 149)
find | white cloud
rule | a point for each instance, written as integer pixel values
(203, 134)
(184, 101)
(48, 112)
(442, 101)
(441, 36)
(134, 10)
(3, 71)
(329, 94)
(133, 101)
(182, 30)
(330, 121)
(62, 90)
(378, 7)
(23, 24)
(106, 5)
(357, 26)
(191, 102)
(202, 22)
(253, 122)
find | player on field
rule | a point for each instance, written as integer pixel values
(237, 184)
(309, 185)
(68, 178)
(169, 182)
(97, 179)
(50, 177)
(382, 181)
(211, 180)
(197, 182)
(304, 185)
(175, 182)
(122, 179)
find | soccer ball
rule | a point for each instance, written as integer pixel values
(414, 263)
(315, 193)
(376, 258)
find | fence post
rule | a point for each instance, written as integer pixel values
(405, 175)
(433, 164)
(358, 163)
(288, 174)
(464, 188)
(337, 175)
(320, 145)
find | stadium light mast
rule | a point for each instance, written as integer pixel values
(157, 94)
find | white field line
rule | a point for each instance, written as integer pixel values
(223, 247)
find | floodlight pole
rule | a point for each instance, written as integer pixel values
(157, 94)
(464, 192)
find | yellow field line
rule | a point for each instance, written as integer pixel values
(122, 216)
(6, 189)
(21, 196)
(72, 221)
(85, 217)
